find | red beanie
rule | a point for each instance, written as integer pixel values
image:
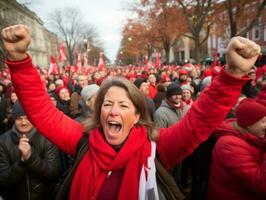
(182, 72)
(249, 111)
(59, 88)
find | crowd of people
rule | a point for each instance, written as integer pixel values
(205, 123)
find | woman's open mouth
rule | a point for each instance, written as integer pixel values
(114, 127)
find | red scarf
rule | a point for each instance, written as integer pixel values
(175, 106)
(188, 102)
(102, 158)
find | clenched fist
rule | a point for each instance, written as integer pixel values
(241, 54)
(16, 40)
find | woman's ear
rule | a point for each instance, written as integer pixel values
(137, 118)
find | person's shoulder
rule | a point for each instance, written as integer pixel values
(229, 143)
(6, 136)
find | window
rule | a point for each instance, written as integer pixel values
(214, 41)
(256, 31)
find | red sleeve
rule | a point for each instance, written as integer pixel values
(244, 167)
(48, 120)
(260, 71)
(203, 117)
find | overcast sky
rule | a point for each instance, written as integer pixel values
(108, 16)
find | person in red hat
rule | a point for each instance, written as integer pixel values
(238, 169)
(183, 75)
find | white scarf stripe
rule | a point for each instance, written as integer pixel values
(148, 188)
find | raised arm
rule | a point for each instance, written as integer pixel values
(53, 124)
(212, 106)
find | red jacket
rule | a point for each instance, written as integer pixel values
(152, 91)
(238, 170)
(173, 144)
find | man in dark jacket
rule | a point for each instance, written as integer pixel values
(29, 163)
(171, 110)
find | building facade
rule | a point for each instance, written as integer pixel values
(43, 44)
(218, 40)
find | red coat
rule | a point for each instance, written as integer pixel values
(238, 170)
(173, 144)
(152, 91)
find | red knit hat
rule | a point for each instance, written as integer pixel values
(182, 72)
(249, 111)
(59, 88)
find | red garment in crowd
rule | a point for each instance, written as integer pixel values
(261, 97)
(152, 91)
(260, 71)
(238, 170)
(173, 145)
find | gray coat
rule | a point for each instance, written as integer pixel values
(166, 116)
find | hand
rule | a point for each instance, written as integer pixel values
(241, 54)
(24, 147)
(16, 40)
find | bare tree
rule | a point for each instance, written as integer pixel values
(238, 10)
(28, 2)
(198, 15)
(68, 23)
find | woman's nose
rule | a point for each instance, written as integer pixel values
(114, 110)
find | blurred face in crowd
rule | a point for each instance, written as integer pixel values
(82, 81)
(13, 97)
(118, 116)
(186, 94)
(176, 99)
(258, 128)
(194, 73)
(183, 77)
(64, 94)
(189, 79)
(152, 79)
(96, 76)
(23, 125)
(1, 88)
(51, 87)
(144, 88)
(252, 74)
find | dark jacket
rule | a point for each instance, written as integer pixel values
(4, 107)
(31, 179)
(64, 106)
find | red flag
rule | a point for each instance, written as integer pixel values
(62, 53)
(78, 64)
(101, 64)
(53, 68)
(215, 59)
(146, 60)
(158, 59)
